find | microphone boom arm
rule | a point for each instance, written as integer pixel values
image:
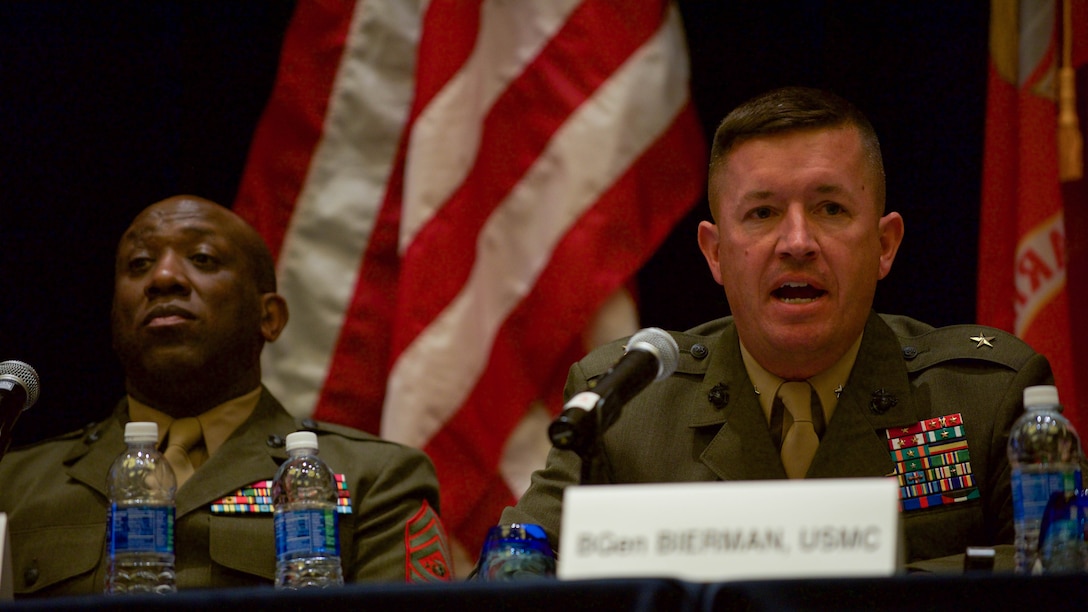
(651, 355)
(591, 413)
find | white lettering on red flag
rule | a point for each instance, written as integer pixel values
(1022, 248)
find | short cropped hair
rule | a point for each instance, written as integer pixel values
(792, 109)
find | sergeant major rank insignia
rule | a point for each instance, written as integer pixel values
(426, 554)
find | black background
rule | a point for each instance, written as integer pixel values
(106, 107)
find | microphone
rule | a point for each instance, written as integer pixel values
(18, 392)
(651, 355)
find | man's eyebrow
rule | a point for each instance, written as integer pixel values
(758, 194)
(830, 188)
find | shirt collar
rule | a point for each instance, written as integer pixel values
(828, 384)
(217, 424)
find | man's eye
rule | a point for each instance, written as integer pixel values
(761, 213)
(203, 259)
(139, 264)
(834, 209)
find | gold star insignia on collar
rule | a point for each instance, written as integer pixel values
(982, 340)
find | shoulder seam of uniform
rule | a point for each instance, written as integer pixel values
(968, 342)
(685, 341)
(325, 427)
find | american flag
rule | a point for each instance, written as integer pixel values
(453, 191)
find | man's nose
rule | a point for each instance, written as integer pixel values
(168, 276)
(798, 238)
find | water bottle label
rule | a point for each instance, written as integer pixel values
(1031, 491)
(309, 531)
(141, 529)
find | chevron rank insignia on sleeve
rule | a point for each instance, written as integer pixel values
(426, 553)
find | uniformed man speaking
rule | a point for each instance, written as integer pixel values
(804, 380)
(194, 302)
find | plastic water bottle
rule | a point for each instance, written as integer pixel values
(140, 525)
(304, 510)
(517, 551)
(1045, 457)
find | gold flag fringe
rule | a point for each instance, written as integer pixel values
(1070, 141)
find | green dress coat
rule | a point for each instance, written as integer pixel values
(54, 494)
(704, 423)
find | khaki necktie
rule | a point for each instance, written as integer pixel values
(802, 437)
(182, 439)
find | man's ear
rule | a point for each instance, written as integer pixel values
(891, 228)
(273, 316)
(709, 240)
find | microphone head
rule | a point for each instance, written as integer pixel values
(657, 341)
(23, 375)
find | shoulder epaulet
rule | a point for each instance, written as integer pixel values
(965, 342)
(322, 427)
(66, 436)
(694, 348)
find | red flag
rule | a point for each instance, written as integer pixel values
(1024, 282)
(452, 194)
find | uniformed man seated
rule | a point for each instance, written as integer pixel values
(804, 380)
(194, 302)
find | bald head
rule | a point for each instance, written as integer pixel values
(194, 302)
(252, 246)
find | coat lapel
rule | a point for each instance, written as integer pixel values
(90, 461)
(253, 452)
(855, 443)
(877, 396)
(742, 448)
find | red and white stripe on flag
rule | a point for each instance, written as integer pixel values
(1023, 263)
(453, 190)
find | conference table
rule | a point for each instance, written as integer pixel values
(909, 592)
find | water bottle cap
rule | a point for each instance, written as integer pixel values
(525, 536)
(141, 431)
(1040, 395)
(301, 439)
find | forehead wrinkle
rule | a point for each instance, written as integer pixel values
(766, 194)
(143, 232)
(146, 235)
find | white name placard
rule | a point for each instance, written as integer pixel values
(7, 582)
(716, 531)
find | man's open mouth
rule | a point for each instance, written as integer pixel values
(798, 293)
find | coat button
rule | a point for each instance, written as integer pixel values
(699, 351)
(94, 432)
(30, 575)
(274, 441)
(309, 423)
(909, 352)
